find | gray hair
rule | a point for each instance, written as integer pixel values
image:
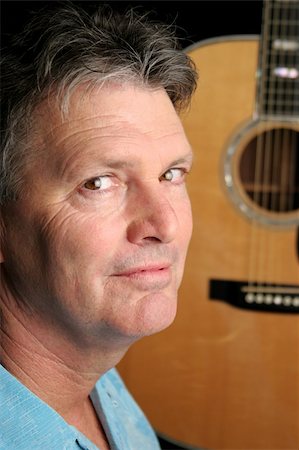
(62, 48)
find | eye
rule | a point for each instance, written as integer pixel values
(176, 175)
(100, 183)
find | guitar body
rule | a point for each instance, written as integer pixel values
(223, 377)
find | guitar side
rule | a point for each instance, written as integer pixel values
(222, 377)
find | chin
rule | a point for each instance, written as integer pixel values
(155, 312)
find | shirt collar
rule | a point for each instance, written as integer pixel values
(29, 422)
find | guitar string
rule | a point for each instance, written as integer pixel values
(264, 247)
(294, 31)
(273, 144)
(252, 254)
(276, 148)
(283, 151)
(293, 187)
(279, 107)
(285, 140)
(293, 143)
(275, 107)
(274, 32)
(293, 139)
(295, 135)
(276, 164)
(287, 179)
(286, 153)
(296, 113)
(262, 148)
(269, 191)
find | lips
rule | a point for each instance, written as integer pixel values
(148, 277)
(148, 269)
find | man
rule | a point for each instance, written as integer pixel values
(95, 221)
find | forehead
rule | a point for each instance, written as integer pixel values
(125, 123)
(109, 109)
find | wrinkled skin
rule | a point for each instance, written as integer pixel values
(95, 246)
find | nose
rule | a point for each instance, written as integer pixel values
(153, 218)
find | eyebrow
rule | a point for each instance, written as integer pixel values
(187, 158)
(119, 164)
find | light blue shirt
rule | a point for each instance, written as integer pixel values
(28, 423)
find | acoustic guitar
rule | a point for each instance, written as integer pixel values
(225, 375)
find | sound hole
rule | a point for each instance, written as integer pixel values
(269, 170)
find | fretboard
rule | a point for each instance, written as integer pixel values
(278, 82)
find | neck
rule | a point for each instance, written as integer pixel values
(52, 367)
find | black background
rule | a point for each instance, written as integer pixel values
(196, 20)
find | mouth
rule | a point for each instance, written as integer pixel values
(144, 270)
(148, 277)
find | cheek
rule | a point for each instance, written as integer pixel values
(185, 234)
(21, 249)
(83, 243)
(184, 215)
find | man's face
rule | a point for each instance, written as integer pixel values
(97, 242)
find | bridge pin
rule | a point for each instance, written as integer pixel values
(295, 301)
(259, 298)
(268, 299)
(287, 300)
(277, 299)
(249, 298)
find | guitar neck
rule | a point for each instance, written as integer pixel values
(278, 74)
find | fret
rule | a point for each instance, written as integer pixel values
(275, 61)
(289, 5)
(281, 103)
(280, 91)
(290, 99)
(284, 22)
(278, 84)
(282, 96)
(288, 8)
(277, 112)
(282, 100)
(290, 112)
(274, 55)
(271, 103)
(275, 107)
